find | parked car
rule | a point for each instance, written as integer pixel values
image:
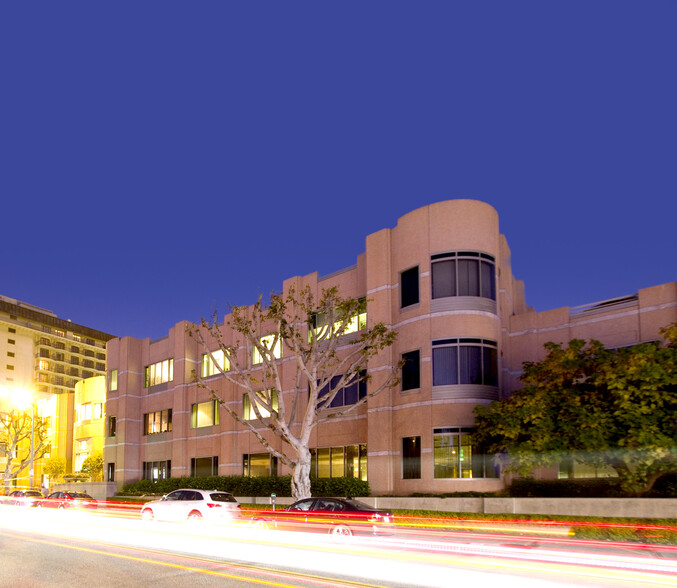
(70, 500)
(188, 504)
(336, 516)
(29, 498)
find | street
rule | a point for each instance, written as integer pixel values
(42, 548)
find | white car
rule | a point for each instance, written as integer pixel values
(188, 504)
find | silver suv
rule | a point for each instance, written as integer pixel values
(188, 504)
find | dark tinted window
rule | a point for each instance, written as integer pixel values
(409, 287)
(411, 370)
(411, 458)
(222, 497)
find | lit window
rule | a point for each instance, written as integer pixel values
(84, 411)
(159, 373)
(356, 322)
(156, 422)
(454, 457)
(113, 381)
(157, 470)
(43, 365)
(274, 347)
(97, 410)
(259, 464)
(348, 461)
(204, 414)
(267, 396)
(209, 365)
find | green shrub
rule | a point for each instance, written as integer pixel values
(568, 488)
(246, 486)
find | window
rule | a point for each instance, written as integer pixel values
(10, 367)
(453, 455)
(411, 458)
(201, 467)
(112, 426)
(110, 472)
(346, 396)
(11, 341)
(464, 273)
(159, 373)
(113, 380)
(267, 396)
(157, 470)
(84, 411)
(465, 361)
(75, 349)
(157, 422)
(409, 287)
(97, 410)
(348, 461)
(12, 354)
(12, 330)
(356, 323)
(204, 414)
(209, 365)
(259, 464)
(411, 370)
(273, 346)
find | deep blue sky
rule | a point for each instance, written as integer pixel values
(161, 159)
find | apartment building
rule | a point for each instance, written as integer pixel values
(43, 357)
(442, 279)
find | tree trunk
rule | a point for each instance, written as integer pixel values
(300, 479)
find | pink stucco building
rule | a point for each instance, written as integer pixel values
(442, 279)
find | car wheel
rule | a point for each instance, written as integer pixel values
(341, 531)
(195, 515)
(61, 507)
(147, 515)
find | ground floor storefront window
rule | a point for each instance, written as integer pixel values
(348, 461)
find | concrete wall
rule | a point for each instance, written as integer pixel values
(98, 490)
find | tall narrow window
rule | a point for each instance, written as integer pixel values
(112, 426)
(411, 458)
(110, 472)
(409, 287)
(411, 370)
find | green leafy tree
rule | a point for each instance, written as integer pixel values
(601, 407)
(55, 468)
(93, 466)
(15, 441)
(326, 342)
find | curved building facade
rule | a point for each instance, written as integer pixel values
(442, 279)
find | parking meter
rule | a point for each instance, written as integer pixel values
(272, 499)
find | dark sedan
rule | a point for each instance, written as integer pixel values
(70, 500)
(23, 498)
(336, 516)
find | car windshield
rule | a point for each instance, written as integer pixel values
(79, 495)
(222, 497)
(33, 493)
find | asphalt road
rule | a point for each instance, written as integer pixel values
(45, 549)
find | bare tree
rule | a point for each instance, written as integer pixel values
(15, 442)
(326, 343)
